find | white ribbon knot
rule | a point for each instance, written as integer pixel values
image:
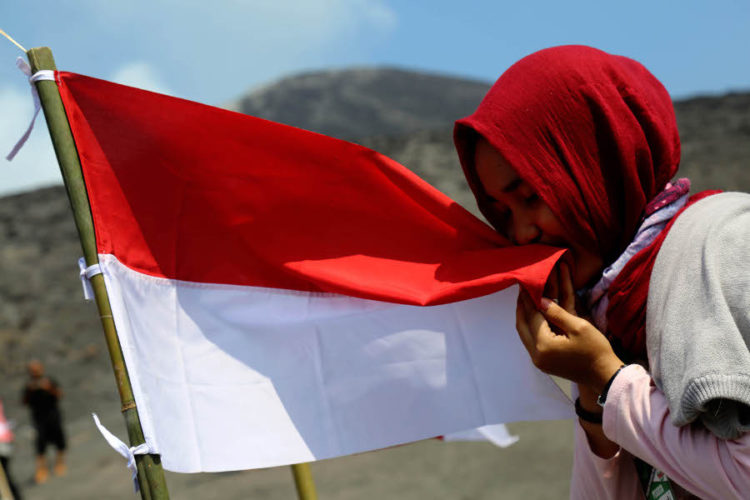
(44, 74)
(122, 449)
(86, 273)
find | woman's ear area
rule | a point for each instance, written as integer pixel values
(496, 177)
(467, 141)
(487, 163)
(477, 155)
(464, 140)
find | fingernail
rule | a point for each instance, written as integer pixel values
(545, 303)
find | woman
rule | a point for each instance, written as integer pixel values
(575, 147)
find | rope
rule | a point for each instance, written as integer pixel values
(12, 41)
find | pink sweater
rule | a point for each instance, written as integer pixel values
(636, 417)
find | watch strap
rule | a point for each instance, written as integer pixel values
(603, 396)
(585, 415)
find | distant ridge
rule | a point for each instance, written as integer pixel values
(362, 102)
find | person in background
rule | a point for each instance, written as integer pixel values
(6, 450)
(42, 394)
(650, 315)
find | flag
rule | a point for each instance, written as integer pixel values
(282, 296)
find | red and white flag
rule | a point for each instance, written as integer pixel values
(282, 296)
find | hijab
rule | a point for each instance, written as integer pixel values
(595, 135)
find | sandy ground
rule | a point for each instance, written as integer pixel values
(537, 467)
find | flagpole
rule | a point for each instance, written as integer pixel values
(150, 472)
(5, 493)
(303, 481)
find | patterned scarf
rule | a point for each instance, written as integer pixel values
(657, 214)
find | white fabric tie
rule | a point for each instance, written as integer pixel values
(122, 449)
(86, 274)
(44, 74)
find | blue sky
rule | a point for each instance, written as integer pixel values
(213, 52)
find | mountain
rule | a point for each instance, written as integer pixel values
(364, 102)
(405, 115)
(715, 135)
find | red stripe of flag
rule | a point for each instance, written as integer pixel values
(191, 192)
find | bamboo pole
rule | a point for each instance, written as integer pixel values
(150, 472)
(303, 481)
(5, 493)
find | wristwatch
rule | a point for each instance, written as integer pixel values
(603, 396)
(585, 415)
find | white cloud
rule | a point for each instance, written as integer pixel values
(368, 14)
(381, 15)
(35, 165)
(141, 75)
(214, 48)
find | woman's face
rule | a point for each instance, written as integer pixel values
(519, 214)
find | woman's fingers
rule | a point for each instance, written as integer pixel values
(533, 328)
(581, 354)
(562, 319)
(530, 322)
(535, 320)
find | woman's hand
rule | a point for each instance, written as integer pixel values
(570, 347)
(561, 343)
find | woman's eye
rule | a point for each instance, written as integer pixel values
(500, 221)
(531, 199)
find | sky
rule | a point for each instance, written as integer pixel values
(213, 52)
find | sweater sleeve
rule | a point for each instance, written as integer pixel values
(636, 417)
(698, 316)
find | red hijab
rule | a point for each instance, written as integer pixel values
(595, 135)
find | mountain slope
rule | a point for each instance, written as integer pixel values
(364, 102)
